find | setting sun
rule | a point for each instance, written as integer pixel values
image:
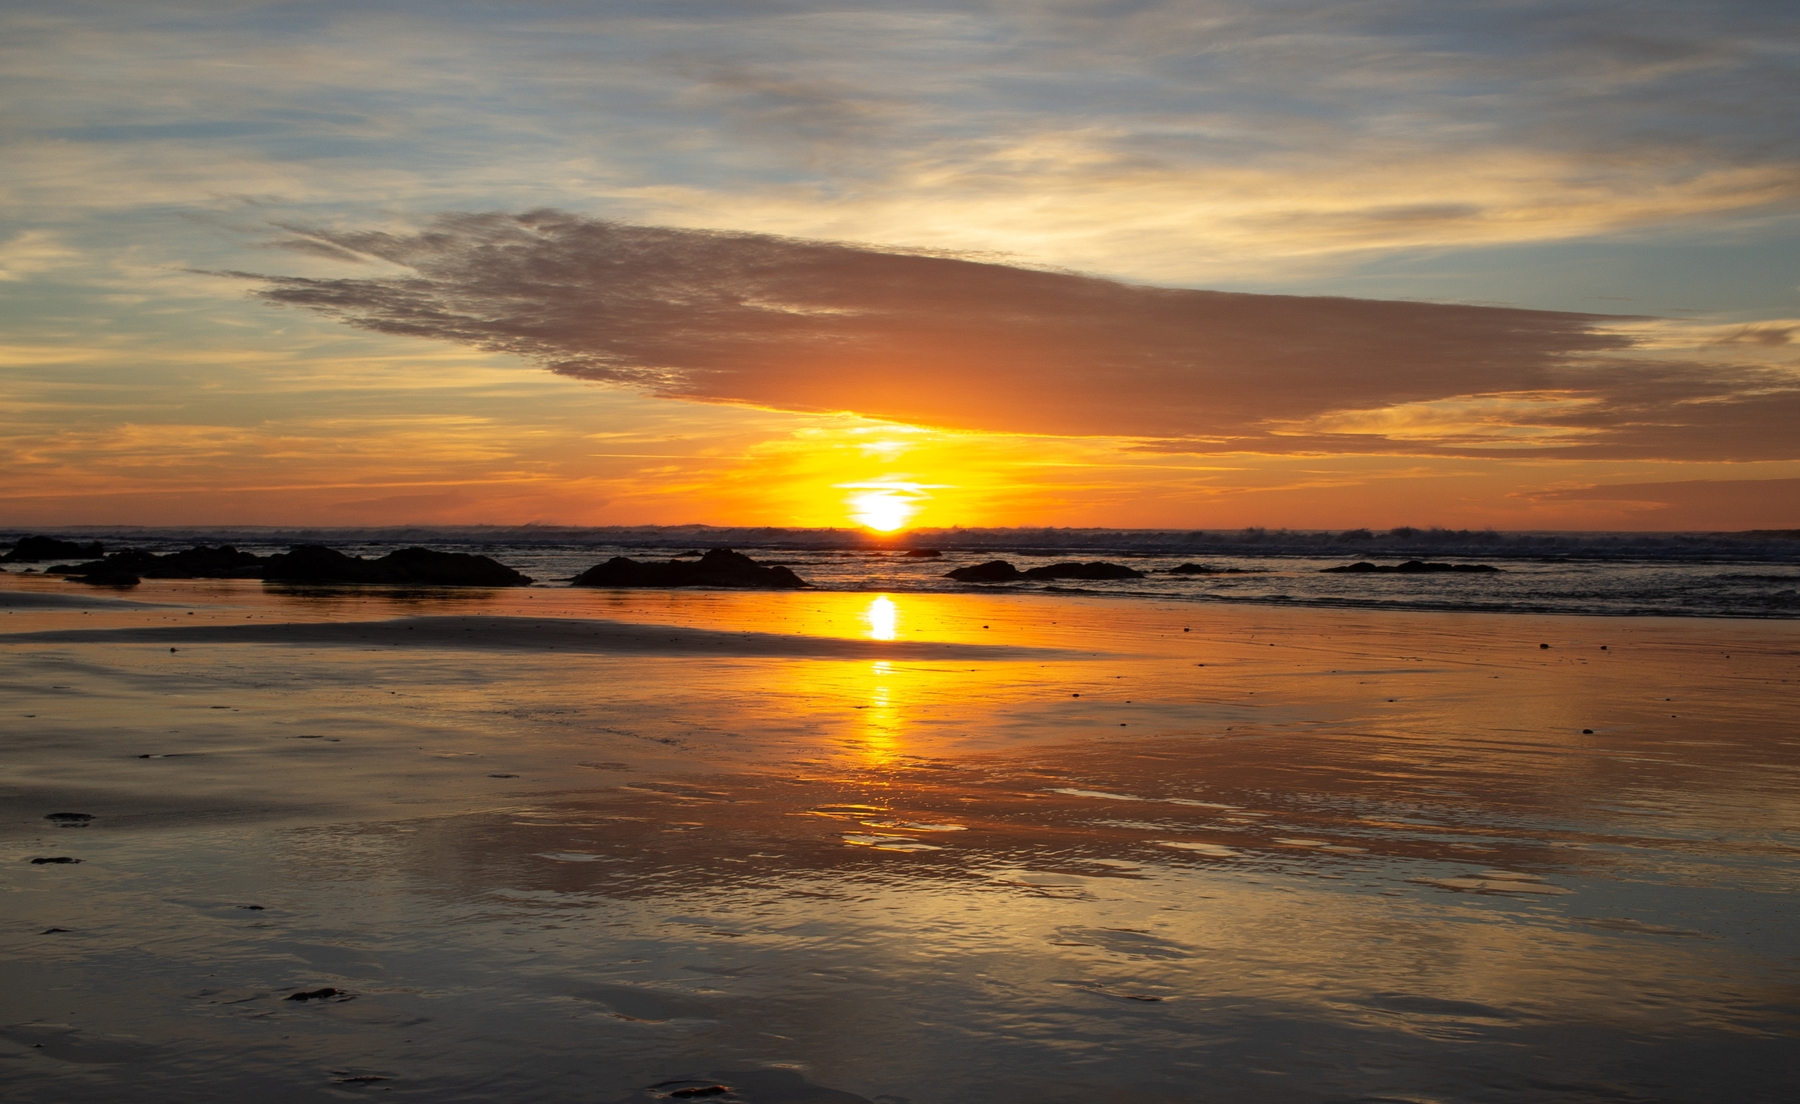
(883, 507)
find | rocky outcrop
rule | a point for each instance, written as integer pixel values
(720, 567)
(1205, 569)
(994, 571)
(1001, 571)
(1410, 567)
(317, 565)
(223, 562)
(39, 549)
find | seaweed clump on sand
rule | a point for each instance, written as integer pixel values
(720, 567)
(1001, 571)
(317, 565)
(38, 549)
(1410, 567)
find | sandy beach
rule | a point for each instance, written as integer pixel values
(610, 846)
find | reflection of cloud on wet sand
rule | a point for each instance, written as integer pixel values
(1060, 907)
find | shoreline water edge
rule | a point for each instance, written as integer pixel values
(1752, 575)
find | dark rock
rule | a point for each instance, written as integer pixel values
(1094, 570)
(60, 860)
(1204, 569)
(318, 994)
(358, 1079)
(314, 563)
(994, 571)
(1000, 571)
(317, 565)
(38, 549)
(252, 908)
(69, 820)
(223, 562)
(755, 1084)
(53, 931)
(1410, 567)
(720, 567)
(923, 553)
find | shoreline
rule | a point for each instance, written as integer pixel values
(1640, 576)
(163, 594)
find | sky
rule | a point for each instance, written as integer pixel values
(1509, 264)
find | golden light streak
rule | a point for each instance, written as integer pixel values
(883, 618)
(881, 722)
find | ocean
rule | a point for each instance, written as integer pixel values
(1609, 574)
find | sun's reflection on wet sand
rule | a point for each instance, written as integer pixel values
(880, 729)
(883, 618)
(880, 718)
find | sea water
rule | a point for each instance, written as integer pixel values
(1672, 574)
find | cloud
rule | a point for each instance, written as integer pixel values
(1766, 336)
(32, 252)
(1183, 140)
(949, 342)
(1721, 502)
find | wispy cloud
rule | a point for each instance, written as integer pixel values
(32, 252)
(943, 341)
(1689, 499)
(1182, 141)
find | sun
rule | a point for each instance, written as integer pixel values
(883, 509)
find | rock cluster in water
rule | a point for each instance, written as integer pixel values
(1207, 569)
(125, 568)
(304, 564)
(39, 549)
(1410, 567)
(1001, 571)
(318, 565)
(720, 567)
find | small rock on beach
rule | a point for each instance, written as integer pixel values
(1410, 567)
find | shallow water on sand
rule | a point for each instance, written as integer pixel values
(831, 847)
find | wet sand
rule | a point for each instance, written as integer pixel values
(551, 845)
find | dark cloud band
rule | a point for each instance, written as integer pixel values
(957, 343)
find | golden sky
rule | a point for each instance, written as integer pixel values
(1193, 265)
